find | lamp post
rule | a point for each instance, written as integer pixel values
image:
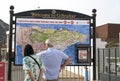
(94, 44)
(10, 43)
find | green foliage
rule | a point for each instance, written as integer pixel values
(40, 35)
(110, 44)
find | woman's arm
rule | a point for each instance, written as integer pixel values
(40, 74)
(31, 75)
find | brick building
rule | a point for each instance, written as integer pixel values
(108, 32)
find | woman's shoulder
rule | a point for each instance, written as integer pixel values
(26, 59)
(35, 56)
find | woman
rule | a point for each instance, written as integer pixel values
(33, 70)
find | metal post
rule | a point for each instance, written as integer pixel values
(103, 60)
(109, 64)
(119, 47)
(94, 44)
(116, 61)
(98, 64)
(10, 43)
(86, 73)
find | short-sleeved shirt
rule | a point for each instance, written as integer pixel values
(52, 60)
(30, 64)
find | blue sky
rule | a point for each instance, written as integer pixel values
(108, 11)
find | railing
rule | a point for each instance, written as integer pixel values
(70, 73)
(109, 64)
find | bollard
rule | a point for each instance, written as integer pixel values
(86, 73)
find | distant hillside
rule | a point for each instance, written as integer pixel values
(3, 28)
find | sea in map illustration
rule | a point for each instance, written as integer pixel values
(65, 36)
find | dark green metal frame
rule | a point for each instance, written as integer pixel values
(78, 16)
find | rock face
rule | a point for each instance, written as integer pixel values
(3, 28)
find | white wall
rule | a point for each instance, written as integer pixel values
(99, 44)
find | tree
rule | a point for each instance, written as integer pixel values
(110, 44)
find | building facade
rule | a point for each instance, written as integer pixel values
(108, 32)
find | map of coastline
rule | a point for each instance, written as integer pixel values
(65, 36)
(37, 35)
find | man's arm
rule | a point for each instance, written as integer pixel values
(67, 61)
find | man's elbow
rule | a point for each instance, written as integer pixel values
(68, 61)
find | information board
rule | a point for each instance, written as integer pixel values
(65, 33)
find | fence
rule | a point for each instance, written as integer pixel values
(109, 64)
(70, 73)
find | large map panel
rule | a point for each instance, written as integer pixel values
(64, 33)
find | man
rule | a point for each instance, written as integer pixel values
(52, 59)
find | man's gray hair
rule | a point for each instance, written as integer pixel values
(49, 42)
